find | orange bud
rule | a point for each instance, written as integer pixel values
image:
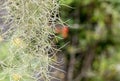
(64, 32)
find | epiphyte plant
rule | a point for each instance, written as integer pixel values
(27, 27)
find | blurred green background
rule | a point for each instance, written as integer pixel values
(92, 47)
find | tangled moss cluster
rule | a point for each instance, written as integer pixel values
(30, 25)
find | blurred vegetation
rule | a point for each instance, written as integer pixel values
(91, 40)
(92, 52)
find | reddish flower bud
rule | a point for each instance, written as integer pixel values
(65, 31)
